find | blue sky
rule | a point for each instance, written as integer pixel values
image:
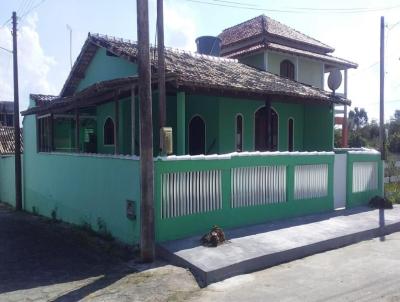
(44, 38)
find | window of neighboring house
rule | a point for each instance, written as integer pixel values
(239, 133)
(9, 120)
(287, 69)
(109, 132)
(290, 134)
(44, 134)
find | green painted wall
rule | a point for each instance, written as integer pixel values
(7, 179)
(362, 198)
(256, 60)
(219, 114)
(318, 128)
(107, 110)
(309, 72)
(206, 107)
(227, 217)
(105, 67)
(81, 189)
(275, 59)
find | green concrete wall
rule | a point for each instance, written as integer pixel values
(310, 72)
(103, 67)
(318, 128)
(219, 114)
(107, 110)
(81, 189)
(227, 217)
(256, 60)
(362, 198)
(7, 179)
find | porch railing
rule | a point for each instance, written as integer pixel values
(194, 193)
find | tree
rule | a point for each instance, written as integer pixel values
(357, 118)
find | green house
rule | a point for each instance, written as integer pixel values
(252, 136)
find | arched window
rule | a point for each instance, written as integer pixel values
(239, 133)
(261, 140)
(108, 132)
(290, 134)
(197, 136)
(287, 69)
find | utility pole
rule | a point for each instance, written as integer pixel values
(161, 63)
(70, 44)
(17, 130)
(382, 135)
(146, 135)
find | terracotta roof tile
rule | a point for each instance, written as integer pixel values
(264, 24)
(7, 140)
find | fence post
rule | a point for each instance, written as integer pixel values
(226, 189)
(290, 183)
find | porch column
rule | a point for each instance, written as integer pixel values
(344, 125)
(181, 123)
(116, 126)
(133, 120)
(268, 124)
(51, 132)
(77, 130)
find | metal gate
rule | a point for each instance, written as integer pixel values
(339, 182)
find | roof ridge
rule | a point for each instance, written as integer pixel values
(299, 32)
(172, 49)
(239, 24)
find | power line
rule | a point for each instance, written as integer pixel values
(5, 49)
(32, 8)
(230, 4)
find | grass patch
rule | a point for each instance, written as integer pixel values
(392, 192)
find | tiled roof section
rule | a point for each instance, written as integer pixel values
(42, 98)
(220, 74)
(6, 106)
(263, 24)
(7, 140)
(290, 50)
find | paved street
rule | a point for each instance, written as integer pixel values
(42, 261)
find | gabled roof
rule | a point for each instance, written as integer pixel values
(192, 71)
(7, 140)
(267, 28)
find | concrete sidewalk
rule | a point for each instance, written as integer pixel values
(260, 246)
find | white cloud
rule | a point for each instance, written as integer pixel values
(34, 64)
(180, 29)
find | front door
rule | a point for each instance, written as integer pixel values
(260, 130)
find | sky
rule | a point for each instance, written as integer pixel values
(350, 26)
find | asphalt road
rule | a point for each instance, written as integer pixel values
(42, 261)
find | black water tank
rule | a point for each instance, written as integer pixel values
(209, 45)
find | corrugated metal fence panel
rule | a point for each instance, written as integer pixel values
(365, 176)
(310, 181)
(258, 185)
(185, 193)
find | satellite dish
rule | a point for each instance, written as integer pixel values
(334, 79)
